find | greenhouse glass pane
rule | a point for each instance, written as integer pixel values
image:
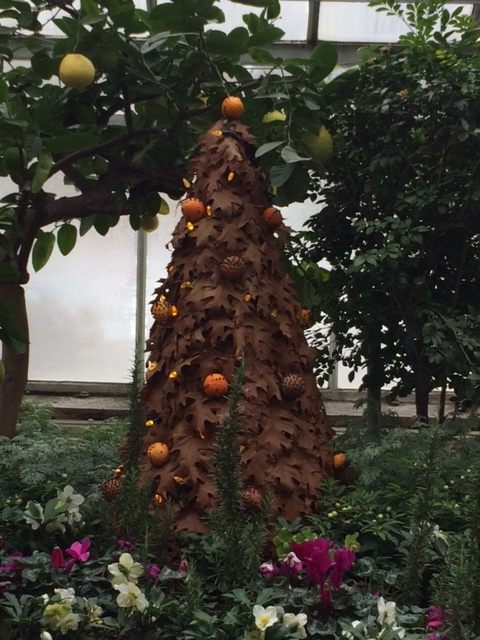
(356, 22)
(82, 309)
(293, 17)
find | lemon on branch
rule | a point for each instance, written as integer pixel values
(274, 116)
(76, 71)
(319, 145)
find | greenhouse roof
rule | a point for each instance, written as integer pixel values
(308, 21)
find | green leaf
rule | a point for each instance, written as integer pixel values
(66, 238)
(267, 147)
(289, 154)
(269, 35)
(86, 224)
(3, 91)
(279, 174)
(89, 7)
(238, 40)
(42, 171)
(71, 142)
(324, 59)
(42, 249)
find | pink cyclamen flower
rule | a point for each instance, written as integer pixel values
(343, 560)
(13, 565)
(293, 563)
(79, 551)
(436, 618)
(183, 566)
(316, 558)
(57, 558)
(268, 570)
(153, 571)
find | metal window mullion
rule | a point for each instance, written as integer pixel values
(313, 18)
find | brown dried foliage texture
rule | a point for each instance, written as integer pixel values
(285, 441)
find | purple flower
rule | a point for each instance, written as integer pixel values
(343, 560)
(79, 551)
(124, 544)
(183, 566)
(13, 565)
(153, 571)
(57, 558)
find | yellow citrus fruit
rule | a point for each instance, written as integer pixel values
(76, 71)
(274, 116)
(149, 223)
(320, 145)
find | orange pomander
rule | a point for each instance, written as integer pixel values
(158, 453)
(215, 385)
(339, 460)
(111, 488)
(232, 107)
(272, 217)
(193, 209)
(304, 317)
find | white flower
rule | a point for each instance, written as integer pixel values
(125, 570)
(386, 612)
(300, 620)
(264, 618)
(66, 595)
(33, 514)
(70, 622)
(439, 534)
(399, 630)
(94, 611)
(45, 635)
(71, 499)
(45, 598)
(130, 597)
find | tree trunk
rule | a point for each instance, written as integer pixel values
(421, 395)
(373, 382)
(16, 364)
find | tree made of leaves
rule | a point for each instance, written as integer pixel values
(227, 297)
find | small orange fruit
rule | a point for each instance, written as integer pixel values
(232, 107)
(272, 217)
(158, 453)
(339, 460)
(215, 385)
(193, 209)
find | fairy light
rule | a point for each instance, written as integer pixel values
(172, 375)
(189, 226)
(149, 423)
(174, 311)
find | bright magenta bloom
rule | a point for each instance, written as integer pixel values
(57, 558)
(79, 551)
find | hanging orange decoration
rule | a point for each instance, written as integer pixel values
(232, 107)
(293, 386)
(158, 453)
(215, 385)
(161, 311)
(339, 460)
(111, 488)
(304, 317)
(272, 217)
(233, 267)
(193, 209)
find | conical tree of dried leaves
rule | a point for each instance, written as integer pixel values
(227, 295)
